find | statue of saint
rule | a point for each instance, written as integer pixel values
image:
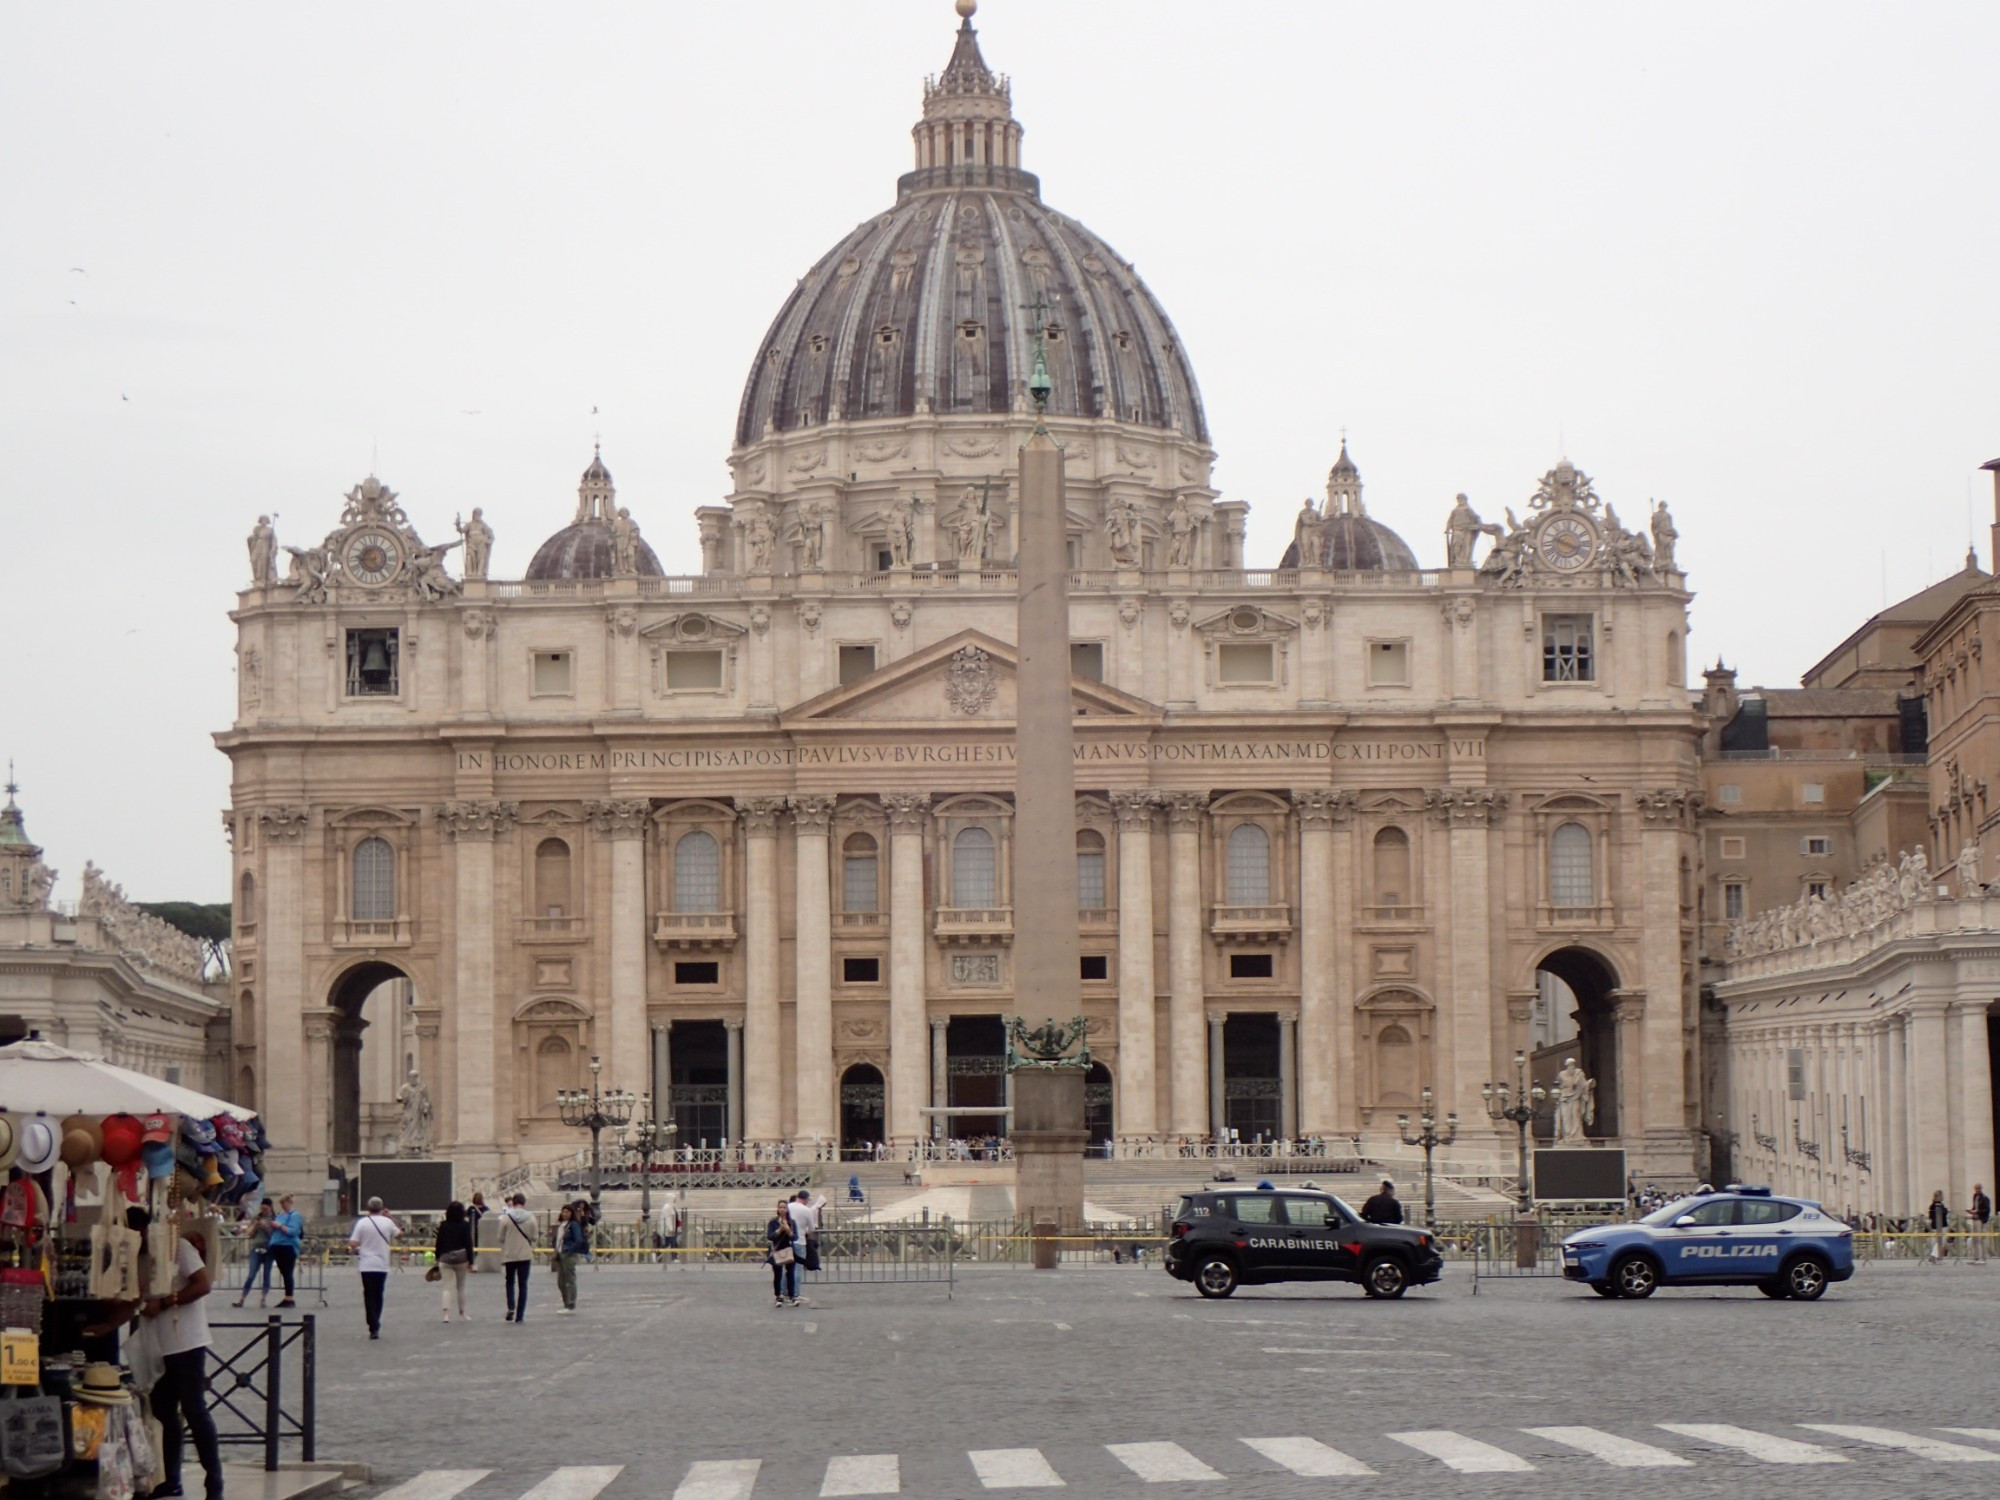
(971, 529)
(1664, 537)
(757, 537)
(1576, 1104)
(263, 554)
(415, 1099)
(1180, 526)
(1462, 529)
(624, 544)
(1968, 871)
(812, 537)
(478, 538)
(1123, 524)
(1306, 533)
(902, 521)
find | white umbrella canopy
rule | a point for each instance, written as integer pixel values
(41, 1077)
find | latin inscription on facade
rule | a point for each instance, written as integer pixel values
(784, 757)
(1412, 750)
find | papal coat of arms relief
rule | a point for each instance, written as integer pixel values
(970, 682)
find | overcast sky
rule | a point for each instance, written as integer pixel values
(1738, 257)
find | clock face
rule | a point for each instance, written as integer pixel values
(1565, 543)
(372, 557)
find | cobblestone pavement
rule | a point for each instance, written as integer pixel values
(687, 1383)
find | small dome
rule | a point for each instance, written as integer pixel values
(588, 546)
(1347, 539)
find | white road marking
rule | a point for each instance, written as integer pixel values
(1624, 1453)
(1064, 1327)
(1014, 1469)
(435, 1484)
(862, 1474)
(1773, 1450)
(1307, 1457)
(1909, 1442)
(1158, 1462)
(1467, 1455)
(719, 1479)
(579, 1483)
(1377, 1353)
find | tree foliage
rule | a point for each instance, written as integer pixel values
(208, 921)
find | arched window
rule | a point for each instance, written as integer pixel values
(1571, 882)
(974, 873)
(1249, 866)
(697, 873)
(552, 1070)
(1392, 868)
(552, 878)
(374, 881)
(1090, 870)
(246, 900)
(860, 874)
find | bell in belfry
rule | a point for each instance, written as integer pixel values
(375, 663)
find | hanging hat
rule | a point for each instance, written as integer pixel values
(159, 1159)
(101, 1385)
(83, 1140)
(198, 1131)
(230, 1132)
(39, 1145)
(211, 1174)
(187, 1186)
(10, 1143)
(123, 1135)
(158, 1128)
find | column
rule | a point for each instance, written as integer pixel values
(1468, 1036)
(907, 945)
(1930, 1108)
(1882, 1180)
(1312, 1105)
(1657, 1095)
(281, 989)
(623, 825)
(1629, 1013)
(733, 1108)
(1218, 1097)
(1975, 1103)
(941, 1076)
(1137, 1093)
(1187, 1033)
(1288, 1063)
(818, 1115)
(1896, 1122)
(472, 827)
(763, 1059)
(663, 1074)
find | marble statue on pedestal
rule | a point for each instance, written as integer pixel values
(1576, 1104)
(478, 537)
(263, 554)
(1180, 526)
(415, 1134)
(1462, 530)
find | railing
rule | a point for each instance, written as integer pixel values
(1596, 915)
(1869, 757)
(1097, 918)
(247, 1386)
(1392, 913)
(553, 928)
(694, 929)
(353, 934)
(980, 922)
(862, 919)
(1246, 920)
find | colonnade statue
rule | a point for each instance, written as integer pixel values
(1576, 1104)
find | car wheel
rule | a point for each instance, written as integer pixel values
(1805, 1278)
(1604, 1288)
(1635, 1277)
(1384, 1276)
(1215, 1276)
(1772, 1289)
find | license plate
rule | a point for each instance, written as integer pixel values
(1571, 1260)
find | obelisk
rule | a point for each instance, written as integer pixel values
(1048, 1127)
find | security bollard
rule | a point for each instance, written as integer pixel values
(1046, 1247)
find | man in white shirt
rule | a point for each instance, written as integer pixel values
(804, 1214)
(517, 1255)
(370, 1239)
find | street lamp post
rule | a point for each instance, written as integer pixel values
(1522, 1106)
(1430, 1138)
(648, 1136)
(594, 1111)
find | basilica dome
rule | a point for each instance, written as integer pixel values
(588, 546)
(1345, 537)
(928, 308)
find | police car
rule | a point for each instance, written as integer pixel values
(1741, 1236)
(1248, 1236)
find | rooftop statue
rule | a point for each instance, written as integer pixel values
(478, 539)
(263, 554)
(1462, 530)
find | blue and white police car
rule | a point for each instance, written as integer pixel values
(1741, 1236)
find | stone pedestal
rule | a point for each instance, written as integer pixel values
(1049, 1140)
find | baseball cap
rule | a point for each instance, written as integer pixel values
(157, 1128)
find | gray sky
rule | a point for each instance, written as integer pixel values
(1741, 258)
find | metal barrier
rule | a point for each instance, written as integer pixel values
(247, 1386)
(308, 1274)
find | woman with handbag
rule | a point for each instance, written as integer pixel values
(453, 1249)
(569, 1243)
(783, 1260)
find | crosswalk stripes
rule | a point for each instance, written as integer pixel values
(435, 1484)
(1307, 1457)
(862, 1474)
(1159, 1462)
(1467, 1455)
(1909, 1442)
(1772, 1450)
(1621, 1452)
(580, 1483)
(1014, 1469)
(720, 1479)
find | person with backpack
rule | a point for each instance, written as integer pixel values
(517, 1255)
(1981, 1215)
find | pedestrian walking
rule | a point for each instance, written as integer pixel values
(453, 1250)
(288, 1236)
(370, 1238)
(571, 1242)
(260, 1253)
(1981, 1215)
(804, 1214)
(517, 1255)
(781, 1257)
(474, 1212)
(1940, 1219)
(1383, 1208)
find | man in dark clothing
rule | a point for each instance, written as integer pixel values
(1981, 1216)
(1383, 1207)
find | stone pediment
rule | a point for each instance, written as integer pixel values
(967, 679)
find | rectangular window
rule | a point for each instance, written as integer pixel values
(1388, 663)
(1795, 1072)
(1244, 663)
(1086, 660)
(859, 883)
(1731, 794)
(856, 662)
(694, 671)
(551, 673)
(1813, 791)
(1816, 845)
(884, 559)
(1567, 654)
(1250, 966)
(373, 659)
(697, 973)
(861, 971)
(1090, 880)
(1734, 848)
(1732, 900)
(1093, 966)
(1816, 888)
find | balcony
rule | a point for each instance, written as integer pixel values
(552, 929)
(860, 922)
(1550, 915)
(1392, 916)
(975, 926)
(1252, 923)
(695, 929)
(1097, 919)
(390, 934)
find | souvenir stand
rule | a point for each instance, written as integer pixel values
(105, 1168)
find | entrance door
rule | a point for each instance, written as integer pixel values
(862, 1098)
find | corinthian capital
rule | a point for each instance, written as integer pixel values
(812, 814)
(477, 820)
(1134, 808)
(618, 819)
(1466, 806)
(1322, 807)
(1673, 807)
(1184, 809)
(760, 815)
(906, 809)
(283, 824)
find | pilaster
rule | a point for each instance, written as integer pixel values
(471, 827)
(622, 825)
(1320, 1065)
(1137, 1094)
(818, 1113)
(907, 947)
(1187, 1027)
(281, 1051)
(762, 1052)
